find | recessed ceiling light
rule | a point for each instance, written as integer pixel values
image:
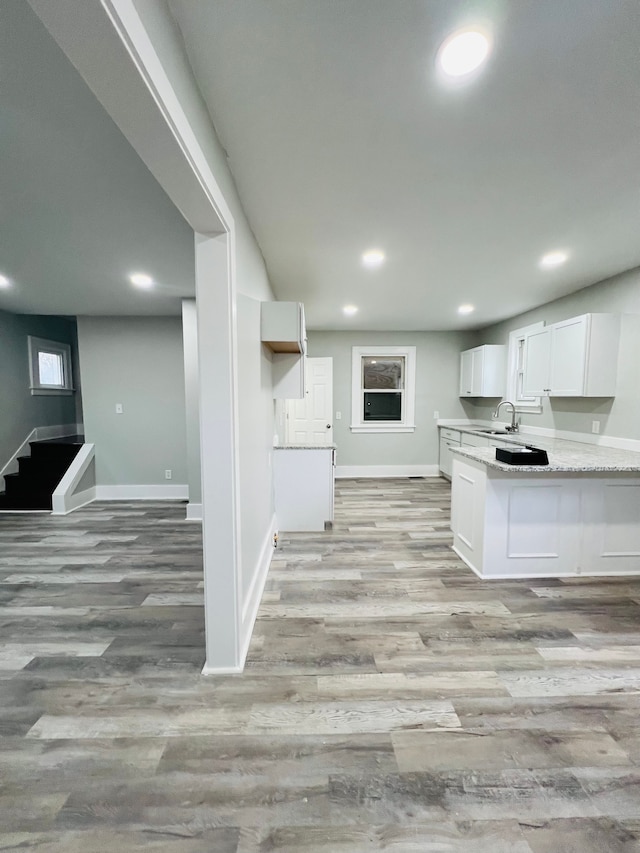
(553, 259)
(349, 310)
(373, 258)
(141, 279)
(4, 281)
(466, 309)
(463, 52)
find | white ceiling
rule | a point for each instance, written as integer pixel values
(79, 210)
(341, 138)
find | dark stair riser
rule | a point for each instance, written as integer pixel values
(39, 474)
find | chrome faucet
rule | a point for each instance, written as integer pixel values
(514, 426)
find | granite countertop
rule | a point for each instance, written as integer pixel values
(569, 456)
(304, 447)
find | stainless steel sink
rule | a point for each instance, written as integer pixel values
(495, 432)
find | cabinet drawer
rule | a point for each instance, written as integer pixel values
(451, 434)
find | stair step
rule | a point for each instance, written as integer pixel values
(39, 474)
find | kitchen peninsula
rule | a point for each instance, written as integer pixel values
(578, 515)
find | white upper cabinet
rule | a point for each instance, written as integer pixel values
(483, 371)
(574, 358)
(282, 326)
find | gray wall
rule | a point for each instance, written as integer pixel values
(136, 361)
(20, 412)
(437, 369)
(619, 416)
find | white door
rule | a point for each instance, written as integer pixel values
(310, 420)
(466, 373)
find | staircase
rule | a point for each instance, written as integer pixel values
(39, 474)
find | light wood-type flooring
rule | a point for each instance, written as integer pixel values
(391, 700)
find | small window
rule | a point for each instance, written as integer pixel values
(50, 367)
(515, 376)
(383, 389)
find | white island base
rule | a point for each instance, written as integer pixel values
(545, 524)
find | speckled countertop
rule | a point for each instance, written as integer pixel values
(570, 456)
(304, 447)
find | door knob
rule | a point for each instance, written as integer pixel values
(328, 426)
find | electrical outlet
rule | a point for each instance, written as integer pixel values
(338, 416)
(119, 409)
(436, 415)
(168, 474)
(595, 427)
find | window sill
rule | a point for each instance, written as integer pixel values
(382, 427)
(51, 392)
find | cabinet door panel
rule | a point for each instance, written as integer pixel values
(568, 358)
(537, 363)
(477, 372)
(466, 373)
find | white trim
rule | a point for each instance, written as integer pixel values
(143, 493)
(194, 512)
(407, 424)
(533, 406)
(368, 471)
(251, 604)
(64, 500)
(37, 345)
(221, 670)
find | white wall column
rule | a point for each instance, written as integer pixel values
(218, 441)
(192, 407)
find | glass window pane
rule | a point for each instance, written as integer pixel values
(383, 406)
(50, 368)
(384, 372)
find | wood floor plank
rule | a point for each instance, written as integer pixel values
(391, 701)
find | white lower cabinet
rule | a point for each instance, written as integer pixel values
(545, 524)
(448, 438)
(303, 487)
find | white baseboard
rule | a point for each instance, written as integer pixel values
(194, 512)
(77, 500)
(368, 471)
(221, 670)
(251, 604)
(174, 492)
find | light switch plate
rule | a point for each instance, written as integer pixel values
(119, 409)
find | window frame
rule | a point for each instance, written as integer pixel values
(407, 423)
(37, 388)
(522, 404)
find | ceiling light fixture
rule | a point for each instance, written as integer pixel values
(466, 309)
(463, 52)
(553, 259)
(141, 279)
(4, 281)
(373, 258)
(350, 310)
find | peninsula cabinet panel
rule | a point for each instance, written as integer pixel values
(545, 524)
(611, 542)
(574, 358)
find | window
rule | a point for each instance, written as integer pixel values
(515, 370)
(383, 389)
(49, 367)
